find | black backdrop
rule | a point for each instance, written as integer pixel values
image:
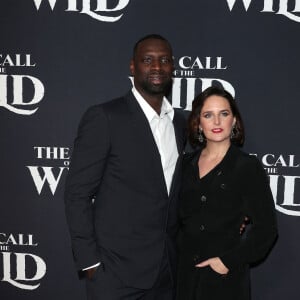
(57, 57)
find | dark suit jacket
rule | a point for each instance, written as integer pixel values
(132, 218)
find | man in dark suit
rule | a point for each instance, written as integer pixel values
(122, 188)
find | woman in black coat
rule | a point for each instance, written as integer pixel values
(221, 185)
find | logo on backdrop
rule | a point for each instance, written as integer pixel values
(188, 82)
(97, 9)
(268, 6)
(52, 164)
(22, 270)
(19, 94)
(283, 171)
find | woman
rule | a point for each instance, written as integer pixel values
(221, 186)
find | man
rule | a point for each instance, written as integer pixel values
(122, 189)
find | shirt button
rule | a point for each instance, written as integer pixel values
(203, 198)
(202, 227)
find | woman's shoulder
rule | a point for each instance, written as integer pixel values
(246, 160)
(189, 156)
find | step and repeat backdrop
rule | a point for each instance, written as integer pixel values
(58, 57)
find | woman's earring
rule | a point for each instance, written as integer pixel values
(200, 136)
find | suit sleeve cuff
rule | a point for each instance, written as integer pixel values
(93, 266)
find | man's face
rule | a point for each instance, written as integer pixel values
(152, 67)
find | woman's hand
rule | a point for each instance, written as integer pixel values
(216, 264)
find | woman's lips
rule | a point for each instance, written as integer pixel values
(217, 130)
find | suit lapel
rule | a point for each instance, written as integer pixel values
(226, 167)
(146, 141)
(145, 136)
(179, 135)
(178, 128)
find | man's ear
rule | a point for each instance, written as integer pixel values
(131, 67)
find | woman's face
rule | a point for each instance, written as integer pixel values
(216, 119)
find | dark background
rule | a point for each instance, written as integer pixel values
(82, 61)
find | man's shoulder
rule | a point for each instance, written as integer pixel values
(114, 103)
(179, 111)
(180, 118)
(111, 105)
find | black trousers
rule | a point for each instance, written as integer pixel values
(105, 285)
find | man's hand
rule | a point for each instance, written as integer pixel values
(89, 273)
(216, 264)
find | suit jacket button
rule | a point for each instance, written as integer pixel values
(223, 186)
(202, 227)
(203, 198)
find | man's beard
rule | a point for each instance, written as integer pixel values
(157, 89)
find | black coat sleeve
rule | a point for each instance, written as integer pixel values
(258, 204)
(90, 153)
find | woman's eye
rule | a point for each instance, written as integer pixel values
(206, 116)
(225, 113)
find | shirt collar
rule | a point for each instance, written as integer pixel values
(150, 113)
